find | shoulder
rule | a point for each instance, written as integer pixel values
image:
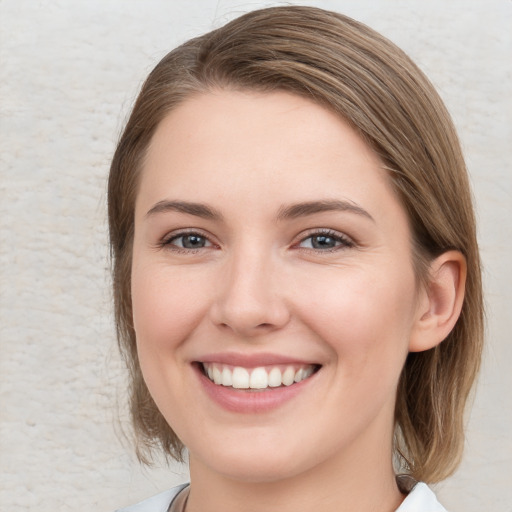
(158, 503)
(421, 499)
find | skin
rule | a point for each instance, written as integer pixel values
(259, 286)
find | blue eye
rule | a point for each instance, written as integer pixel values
(189, 241)
(325, 241)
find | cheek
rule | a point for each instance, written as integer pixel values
(166, 307)
(166, 310)
(366, 318)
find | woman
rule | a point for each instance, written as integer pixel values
(296, 273)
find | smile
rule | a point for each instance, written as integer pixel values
(259, 378)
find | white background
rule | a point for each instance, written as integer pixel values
(69, 73)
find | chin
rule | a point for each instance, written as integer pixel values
(256, 463)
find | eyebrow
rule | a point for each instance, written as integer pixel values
(293, 211)
(311, 207)
(196, 209)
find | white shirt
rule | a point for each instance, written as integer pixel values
(420, 499)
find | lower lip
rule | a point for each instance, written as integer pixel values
(251, 401)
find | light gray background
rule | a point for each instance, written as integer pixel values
(69, 73)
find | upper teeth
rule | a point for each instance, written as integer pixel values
(257, 378)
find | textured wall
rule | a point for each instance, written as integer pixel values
(69, 72)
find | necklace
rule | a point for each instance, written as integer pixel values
(179, 502)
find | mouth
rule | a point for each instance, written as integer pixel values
(261, 378)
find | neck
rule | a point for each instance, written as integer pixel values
(363, 480)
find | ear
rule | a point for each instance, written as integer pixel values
(440, 301)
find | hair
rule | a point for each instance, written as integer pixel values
(374, 86)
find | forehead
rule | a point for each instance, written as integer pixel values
(259, 146)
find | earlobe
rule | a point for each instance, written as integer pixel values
(440, 303)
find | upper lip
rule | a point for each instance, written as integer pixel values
(252, 360)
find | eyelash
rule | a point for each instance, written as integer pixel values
(167, 242)
(343, 242)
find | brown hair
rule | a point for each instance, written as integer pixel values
(355, 72)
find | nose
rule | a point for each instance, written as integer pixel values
(251, 298)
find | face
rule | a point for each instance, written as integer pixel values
(273, 289)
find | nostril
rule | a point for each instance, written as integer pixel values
(248, 314)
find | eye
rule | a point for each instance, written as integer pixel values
(325, 241)
(187, 241)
